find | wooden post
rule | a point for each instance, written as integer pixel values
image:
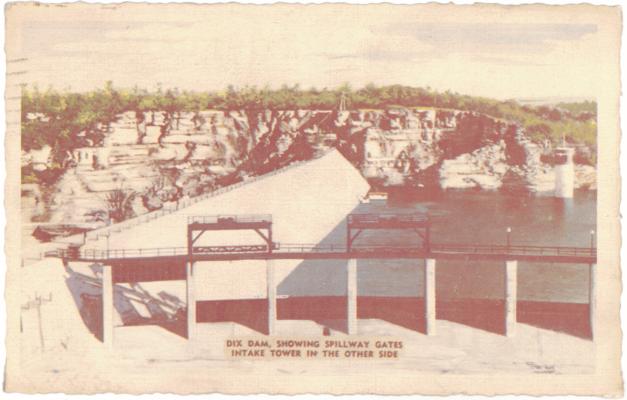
(429, 282)
(511, 286)
(592, 297)
(191, 302)
(107, 306)
(351, 293)
(271, 293)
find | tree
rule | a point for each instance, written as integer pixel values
(66, 121)
(539, 131)
(120, 204)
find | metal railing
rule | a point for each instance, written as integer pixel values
(341, 248)
(387, 217)
(514, 249)
(309, 248)
(233, 218)
(113, 254)
(261, 248)
(291, 248)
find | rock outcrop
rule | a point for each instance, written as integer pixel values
(164, 157)
(483, 168)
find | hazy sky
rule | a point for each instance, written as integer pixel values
(498, 52)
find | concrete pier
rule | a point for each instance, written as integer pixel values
(429, 282)
(511, 287)
(271, 294)
(191, 301)
(592, 297)
(107, 306)
(351, 293)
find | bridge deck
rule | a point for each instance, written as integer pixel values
(550, 254)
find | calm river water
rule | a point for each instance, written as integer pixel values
(479, 217)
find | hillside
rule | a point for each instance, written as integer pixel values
(115, 153)
(68, 120)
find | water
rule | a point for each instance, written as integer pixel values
(479, 217)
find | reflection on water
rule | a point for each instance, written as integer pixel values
(483, 218)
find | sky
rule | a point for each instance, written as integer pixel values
(500, 52)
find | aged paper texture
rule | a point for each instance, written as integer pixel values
(338, 198)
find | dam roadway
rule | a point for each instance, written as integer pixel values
(285, 281)
(448, 251)
(356, 224)
(129, 265)
(179, 263)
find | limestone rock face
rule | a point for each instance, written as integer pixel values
(585, 177)
(162, 157)
(484, 168)
(39, 159)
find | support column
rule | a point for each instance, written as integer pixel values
(429, 283)
(351, 293)
(592, 297)
(271, 291)
(511, 286)
(107, 306)
(191, 302)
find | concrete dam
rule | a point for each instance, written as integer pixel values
(305, 202)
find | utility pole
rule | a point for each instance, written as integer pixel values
(37, 303)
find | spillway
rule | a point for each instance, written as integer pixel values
(308, 202)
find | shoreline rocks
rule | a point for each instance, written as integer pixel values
(483, 168)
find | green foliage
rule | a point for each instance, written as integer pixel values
(576, 109)
(69, 120)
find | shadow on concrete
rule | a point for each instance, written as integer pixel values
(570, 318)
(489, 315)
(87, 294)
(407, 312)
(484, 314)
(252, 313)
(316, 289)
(328, 311)
(166, 310)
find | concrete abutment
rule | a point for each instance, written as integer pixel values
(272, 296)
(351, 293)
(191, 301)
(592, 297)
(511, 288)
(107, 306)
(429, 296)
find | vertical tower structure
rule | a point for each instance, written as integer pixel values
(564, 172)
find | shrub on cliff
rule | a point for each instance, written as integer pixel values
(66, 121)
(120, 204)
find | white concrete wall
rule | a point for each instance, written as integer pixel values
(308, 202)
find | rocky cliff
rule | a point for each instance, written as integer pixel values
(155, 158)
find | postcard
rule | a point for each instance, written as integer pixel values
(331, 198)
